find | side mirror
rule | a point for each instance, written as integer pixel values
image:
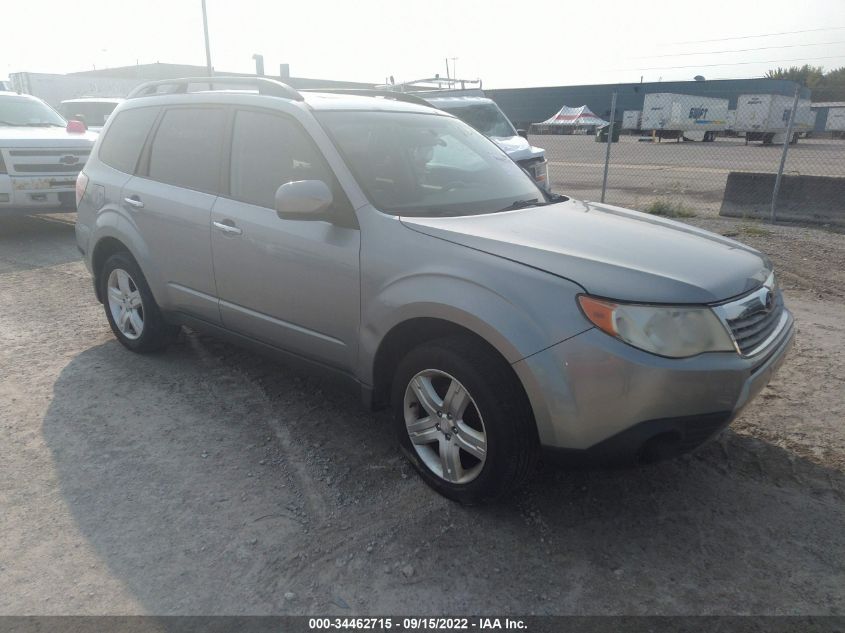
(75, 126)
(523, 134)
(303, 200)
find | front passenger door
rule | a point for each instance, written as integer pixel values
(291, 283)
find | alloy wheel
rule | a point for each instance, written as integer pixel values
(445, 426)
(125, 304)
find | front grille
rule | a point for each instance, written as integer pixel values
(45, 168)
(756, 324)
(47, 161)
(82, 154)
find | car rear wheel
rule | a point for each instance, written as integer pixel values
(463, 420)
(131, 311)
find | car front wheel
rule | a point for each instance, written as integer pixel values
(463, 420)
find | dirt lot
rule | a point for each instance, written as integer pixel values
(692, 173)
(209, 480)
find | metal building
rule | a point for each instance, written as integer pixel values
(158, 70)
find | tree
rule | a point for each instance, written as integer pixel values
(806, 75)
(825, 86)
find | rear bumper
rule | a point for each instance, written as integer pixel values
(28, 194)
(600, 397)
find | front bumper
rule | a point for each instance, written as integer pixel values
(594, 393)
(28, 194)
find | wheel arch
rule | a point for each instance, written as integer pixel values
(105, 247)
(112, 234)
(410, 333)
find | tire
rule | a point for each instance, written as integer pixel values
(125, 291)
(496, 415)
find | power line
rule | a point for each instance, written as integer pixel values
(762, 61)
(746, 37)
(738, 50)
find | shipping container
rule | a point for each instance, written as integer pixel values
(631, 119)
(693, 116)
(835, 120)
(766, 117)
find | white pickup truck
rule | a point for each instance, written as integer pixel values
(40, 156)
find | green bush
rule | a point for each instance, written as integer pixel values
(669, 209)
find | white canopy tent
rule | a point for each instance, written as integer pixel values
(574, 119)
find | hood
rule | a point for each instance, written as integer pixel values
(611, 252)
(44, 137)
(517, 148)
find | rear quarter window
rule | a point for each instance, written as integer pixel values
(123, 141)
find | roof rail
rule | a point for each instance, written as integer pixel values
(265, 86)
(371, 92)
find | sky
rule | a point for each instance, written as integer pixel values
(501, 42)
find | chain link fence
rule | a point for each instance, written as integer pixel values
(683, 155)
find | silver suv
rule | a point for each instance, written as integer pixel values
(393, 245)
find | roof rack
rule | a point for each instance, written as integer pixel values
(371, 92)
(265, 86)
(433, 83)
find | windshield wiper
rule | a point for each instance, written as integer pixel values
(524, 204)
(43, 124)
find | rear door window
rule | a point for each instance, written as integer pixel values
(187, 148)
(125, 138)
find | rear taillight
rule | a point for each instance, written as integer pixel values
(81, 186)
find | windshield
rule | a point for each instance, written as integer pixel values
(92, 113)
(484, 117)
(428, 164)
(24, 111)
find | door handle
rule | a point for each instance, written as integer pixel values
(229, 229)
(134, 202)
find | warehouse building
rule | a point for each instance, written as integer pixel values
(525, 106)
(152, 72)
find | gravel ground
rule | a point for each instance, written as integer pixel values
(208, 480)
(692, 173)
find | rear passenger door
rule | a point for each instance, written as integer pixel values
(291, 283)
(170, 201)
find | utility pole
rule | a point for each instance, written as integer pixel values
(454, 70)
(208, 69)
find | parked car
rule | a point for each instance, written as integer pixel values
(395, 246)
(39, 157)
(93, 111)
(485, 116)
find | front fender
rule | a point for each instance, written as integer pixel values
(529, 310)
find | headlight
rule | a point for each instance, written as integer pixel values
(673, 331)
(540, 170)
